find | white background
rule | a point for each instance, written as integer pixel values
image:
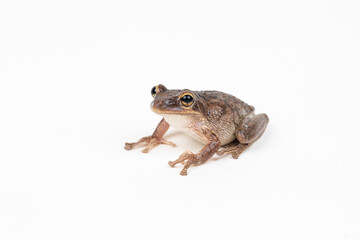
(75, 81)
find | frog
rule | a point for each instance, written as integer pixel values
(222, 122)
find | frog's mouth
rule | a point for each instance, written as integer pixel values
(156, 108)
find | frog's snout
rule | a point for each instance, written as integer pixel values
(156, 106)
(163, 104)
(152, 105)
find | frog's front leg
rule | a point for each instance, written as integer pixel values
(154, 140)
(188, 158)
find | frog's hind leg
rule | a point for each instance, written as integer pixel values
(247, 133)
(251, 129)
(235, 148)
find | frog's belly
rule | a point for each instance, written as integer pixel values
(186, 124)
(225, 137)
(197, 136)
(192, 127)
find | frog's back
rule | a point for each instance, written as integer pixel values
(226, 105)
(223, 113)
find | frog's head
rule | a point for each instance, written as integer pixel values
(174, 101)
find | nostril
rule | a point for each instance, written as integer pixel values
(167, 101)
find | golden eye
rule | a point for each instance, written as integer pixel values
(187, 99)
(154, 91)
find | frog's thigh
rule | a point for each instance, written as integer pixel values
(250, 130)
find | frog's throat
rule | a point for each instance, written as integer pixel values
(178, 112)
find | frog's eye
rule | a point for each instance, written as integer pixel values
(157, 89)
(187, 99)
(154, 91)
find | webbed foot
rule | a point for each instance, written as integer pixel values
(234, 148)
(150, 142)
(187, 159)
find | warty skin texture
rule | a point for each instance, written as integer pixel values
(222, 122)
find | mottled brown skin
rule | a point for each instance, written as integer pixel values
(224, 123)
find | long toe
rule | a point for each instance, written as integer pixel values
(129, 146)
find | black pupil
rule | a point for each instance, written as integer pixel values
(153, 91)
(187, 99)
